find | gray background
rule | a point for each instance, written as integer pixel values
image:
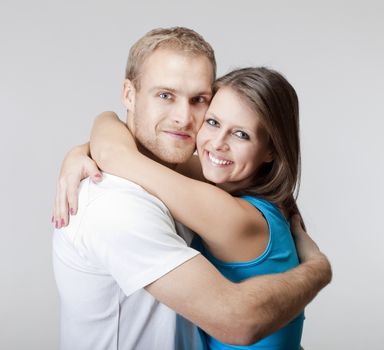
(63, 62)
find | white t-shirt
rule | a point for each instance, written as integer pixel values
(121, 240)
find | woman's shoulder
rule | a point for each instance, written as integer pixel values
(267, 208)
(258, 202)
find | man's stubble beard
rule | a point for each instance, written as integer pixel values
(159, 150)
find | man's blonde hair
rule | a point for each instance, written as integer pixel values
(178, 38)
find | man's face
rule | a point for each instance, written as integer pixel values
(168, 109)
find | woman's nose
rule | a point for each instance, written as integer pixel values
(220, 143)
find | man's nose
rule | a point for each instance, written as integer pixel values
(184, 114)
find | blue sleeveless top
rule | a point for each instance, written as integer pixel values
(279, 256)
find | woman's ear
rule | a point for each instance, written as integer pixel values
(128, 95)
(269, 155)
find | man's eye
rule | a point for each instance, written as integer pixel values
(198, 99)
(212, 122)
(242, 135)
(165, 96)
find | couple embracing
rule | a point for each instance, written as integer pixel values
(169, 249)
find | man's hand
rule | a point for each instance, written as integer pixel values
(77, 165)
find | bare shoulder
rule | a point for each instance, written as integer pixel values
(255, 219)
(250, 239)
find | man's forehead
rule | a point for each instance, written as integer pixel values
(177, 71)
(170, 54)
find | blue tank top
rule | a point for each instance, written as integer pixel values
(279, 256)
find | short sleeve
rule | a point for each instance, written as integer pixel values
(133, 237)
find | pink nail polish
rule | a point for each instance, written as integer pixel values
(72, 211)
(57, 224)
(62, 222)
(97, 178)
(52, 219)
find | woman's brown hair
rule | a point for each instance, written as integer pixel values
(275, 101)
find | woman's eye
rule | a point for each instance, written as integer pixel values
(242, 135)
(212, 122)
(165, 96)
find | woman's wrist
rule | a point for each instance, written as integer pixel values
(82, 150)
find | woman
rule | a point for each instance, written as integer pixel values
(248, 146)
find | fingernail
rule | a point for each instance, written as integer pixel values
(98, 176)
(72, 211)
(62, 222)
(57, 224)
(52, 219)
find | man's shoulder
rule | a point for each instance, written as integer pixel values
(114, 208)
(116, 192)
(118, 205)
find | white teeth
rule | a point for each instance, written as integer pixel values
(218, 161)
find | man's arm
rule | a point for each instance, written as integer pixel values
(240, 313)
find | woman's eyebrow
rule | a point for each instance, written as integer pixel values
(213, 115)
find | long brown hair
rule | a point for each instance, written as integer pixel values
(275, 101)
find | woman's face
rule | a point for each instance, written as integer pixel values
(231, 143)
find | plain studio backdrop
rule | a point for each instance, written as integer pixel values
(62, 63)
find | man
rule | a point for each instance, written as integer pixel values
(122, 270)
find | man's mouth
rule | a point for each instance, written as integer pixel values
(180, 135)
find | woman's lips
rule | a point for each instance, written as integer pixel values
(218, 161)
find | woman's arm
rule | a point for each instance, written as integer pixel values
(76, 166)
(214, 214)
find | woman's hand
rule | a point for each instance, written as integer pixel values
(305, 245)
(77, 165)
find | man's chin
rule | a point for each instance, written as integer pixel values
(167, 154)
(176, 156)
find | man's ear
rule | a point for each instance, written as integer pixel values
(128, 95)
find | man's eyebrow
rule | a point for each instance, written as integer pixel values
(204, 93)
(157, 88)
(207, 93)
